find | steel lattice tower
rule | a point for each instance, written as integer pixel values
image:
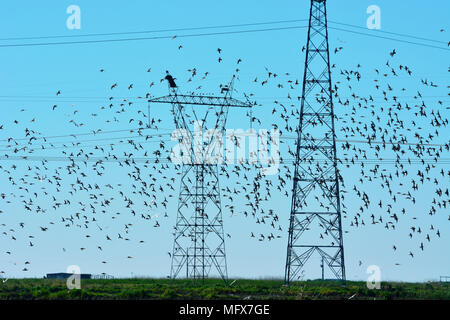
(315, 220)
(199, 242)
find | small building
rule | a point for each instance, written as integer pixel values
(63, 275)
(101, 276)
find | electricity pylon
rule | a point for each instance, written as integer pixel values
(199, 242)
(315, 219)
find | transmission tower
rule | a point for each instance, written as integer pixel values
(315, 221)
(199, 243)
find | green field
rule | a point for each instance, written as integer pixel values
(216, 289)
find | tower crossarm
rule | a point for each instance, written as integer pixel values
(202, 100)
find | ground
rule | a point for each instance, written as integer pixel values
(217, 289)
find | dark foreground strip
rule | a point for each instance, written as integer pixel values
(215, 309)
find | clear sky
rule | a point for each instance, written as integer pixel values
(31, 76)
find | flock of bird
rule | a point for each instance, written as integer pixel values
(396, 146)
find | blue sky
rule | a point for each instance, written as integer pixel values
(32, 75)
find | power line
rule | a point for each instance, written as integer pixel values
(214, 27)
(156, 31)
(129, 98)
(76, 144)
(380, 142)
(86, 133)
(148, 38)
(157, 137)
(388, 32)
(139, 129)
(165, 160)
(388, 38)
(211, 34)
